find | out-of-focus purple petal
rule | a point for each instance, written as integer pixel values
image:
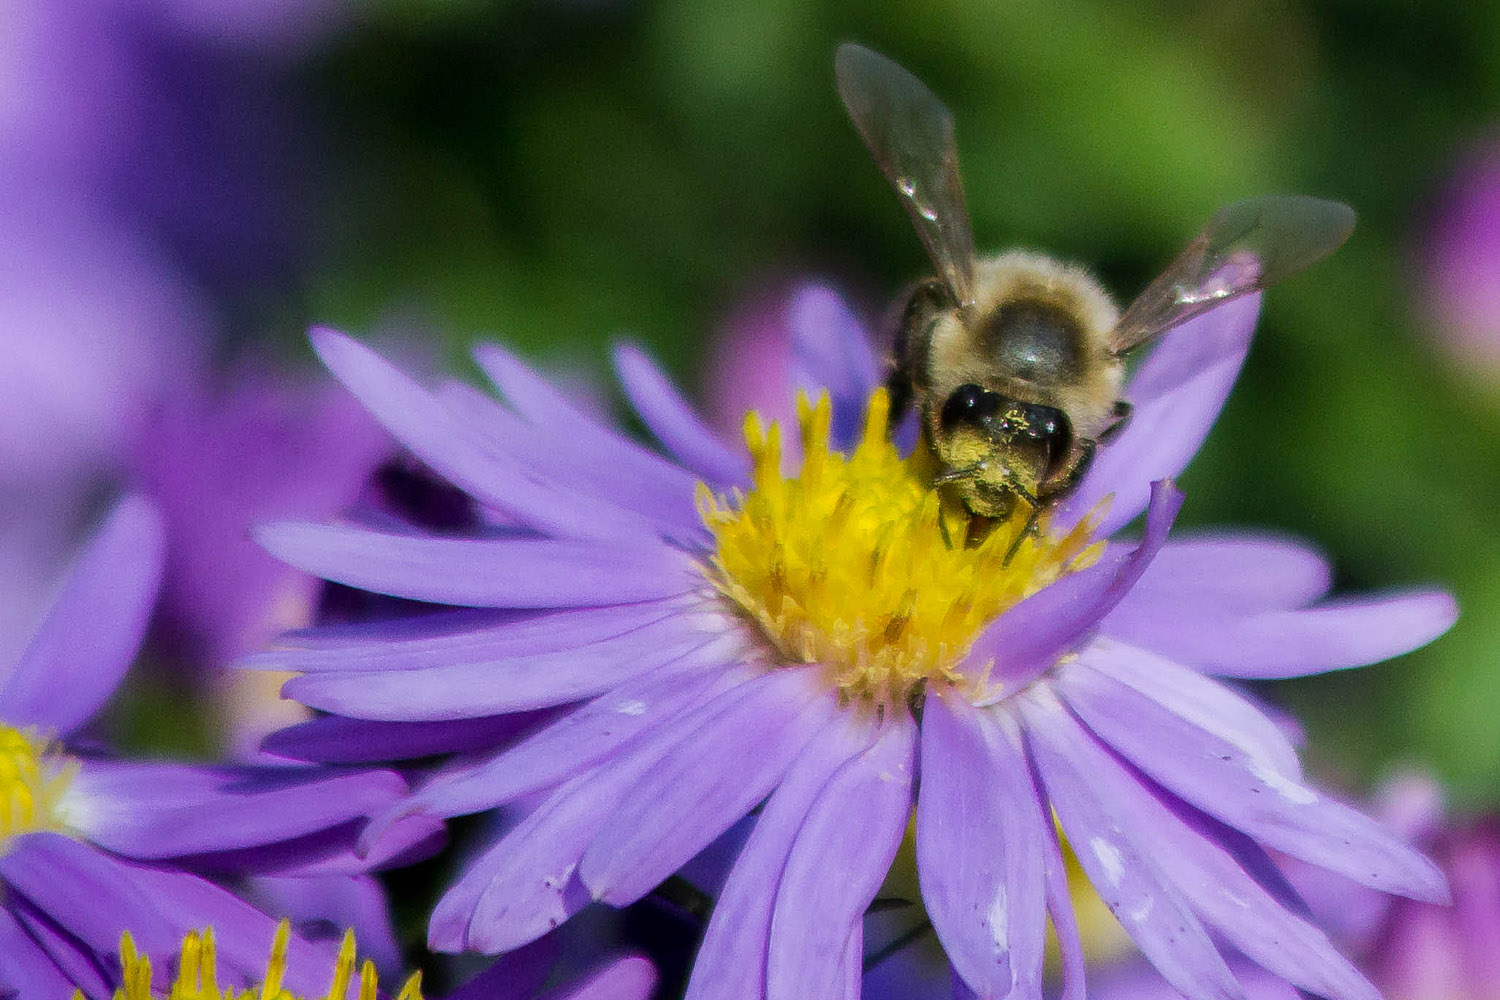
(495, 573)
(1127, 877)
(334, 739)
(516, 684)
(853, 828)
(78, 963)
(162, 810)
(24, 964)
(425, 425)
(731, 962)
(1244, 790)
(980, 854)
(630, 978)
(1189, 697)
(562, 749)
(85, 644)
(1177, 393)
(1030, 637)
(832, 352)
(706, 783)
(322, 907)
(1336, 635)
(674, 422)
(1243, 571)
(516, 975)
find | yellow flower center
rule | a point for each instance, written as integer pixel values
(855, 563)
(197, 973)
(33, 778)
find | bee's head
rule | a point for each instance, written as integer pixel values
(997, 448)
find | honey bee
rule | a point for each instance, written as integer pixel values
(1015, 362)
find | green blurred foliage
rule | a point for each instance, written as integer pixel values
(555, 173)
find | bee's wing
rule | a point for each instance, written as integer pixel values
(910, 134)
(1245, 247)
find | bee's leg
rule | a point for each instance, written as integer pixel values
(1087, 448)
(1033, 521)
(957, 475)
(1121, 413)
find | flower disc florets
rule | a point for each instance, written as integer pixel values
(855, 563)
(33, 779)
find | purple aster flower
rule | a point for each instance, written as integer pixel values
(704, 635)
(91, 846)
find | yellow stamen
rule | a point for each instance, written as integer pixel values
(33, 778)
(198, 977)
(850, 564)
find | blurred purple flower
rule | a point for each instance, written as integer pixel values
(1459, 260)
(712, 647)
(91, 846)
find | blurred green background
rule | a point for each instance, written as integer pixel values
(556, 173)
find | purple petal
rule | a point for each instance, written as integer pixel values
(1030, 637)
(1055, 872)
(78, 963)
(160, 810)
(1241, 572)
(1245, 791)
(321, 908)
(85, 643)
(674, 422)
(832, 351)
(1336, 635)
(463, 636)
(518, 975)
(837, 863)
(731, 962)
(1128, 878)
(630, 978)
(980, 851)
(706, 783)
(455, 451)
(576, 741)
(495, 573)
(333, 739)
(1193, 699)
(1216, 882)
(1177, 394)
(517, 684)
(24, 963)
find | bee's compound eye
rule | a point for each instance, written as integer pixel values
(969, 404)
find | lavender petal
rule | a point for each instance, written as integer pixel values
(1247, 792)
(831, 351)
(1243, 571)
(853, 829)
(674, 422)
(980, 852)
(1030, 637)
(1336, 635)
(731, 962)
(630, 978)
(706, 783)
(91, 633)
(495, 573)
(24, 964)
(321, 908)
(1127, 877)
(334, 739)
(1177, 393)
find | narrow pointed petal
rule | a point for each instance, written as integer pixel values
(1177, 393)
(451, 448)
(160, 810)
(731, 962)
(493, 573)
(23, 963)
(1337, 635)
(1030, 637)
(91, 633)
(1247, 792)
(630, 978)
(1194, 699)
(1127, 877)
(515, 684)
(334, 739)
(831, 351)
(706, 783)
(674, 422)
(567, 746)
(853, 828)
(78, 963)
(980, 851)
(1244, 571)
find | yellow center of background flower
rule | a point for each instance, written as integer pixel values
(197, 973)
(856, 564)
(33, 778)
